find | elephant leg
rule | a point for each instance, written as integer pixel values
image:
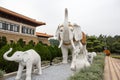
(75, 53)
(73, 63)
(19, 73)
(64, 54)
(39, 68)
(28, 71)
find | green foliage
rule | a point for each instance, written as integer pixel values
(98, 44)
(116, 47)
(6, 65)
(3, 41)
(2, 73)
(115, 56)
(21, 42)
(93, 44)
(94, 72)
(113, 44)
(54, 42)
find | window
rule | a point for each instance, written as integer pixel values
(6, 26)
(3, 25)
(27, 30)
(0, 25)
(32, 31)
(11, 27)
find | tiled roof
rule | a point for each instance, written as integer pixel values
(43, 35)
(17, 15)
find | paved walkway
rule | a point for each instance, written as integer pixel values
(112, 69)
(56, 72)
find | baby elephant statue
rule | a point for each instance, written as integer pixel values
(27, 58)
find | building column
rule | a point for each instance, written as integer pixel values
(20, 30)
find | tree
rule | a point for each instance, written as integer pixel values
(116, 47)
(94, 44)
(21, 42)
(54, 42)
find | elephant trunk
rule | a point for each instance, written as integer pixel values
(5, 56)
(66, 28)
(66, 19)
(66, 32)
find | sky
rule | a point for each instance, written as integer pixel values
(94, 16)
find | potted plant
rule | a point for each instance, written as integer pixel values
(2, 74)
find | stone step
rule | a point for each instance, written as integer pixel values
(117, 65)
(106, 69)
(112, 69)
(114, 63)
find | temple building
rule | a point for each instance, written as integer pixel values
(15, 26)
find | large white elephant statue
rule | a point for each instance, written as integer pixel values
(29, 58)
(69, 36)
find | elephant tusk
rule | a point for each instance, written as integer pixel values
(80, 44)
(73, 44)
(61, 42)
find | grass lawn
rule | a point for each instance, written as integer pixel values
(115, 56)
(94, 72)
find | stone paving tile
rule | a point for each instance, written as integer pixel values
(56, 72)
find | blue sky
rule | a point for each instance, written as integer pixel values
(94, 16)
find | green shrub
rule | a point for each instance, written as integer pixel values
(2, 73)
(8, 66)
(3, 41)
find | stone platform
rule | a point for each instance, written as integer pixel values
(55, 72)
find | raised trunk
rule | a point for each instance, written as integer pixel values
(5, 56)
(66, 32)
(66, 28)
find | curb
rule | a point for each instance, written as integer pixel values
(8, 75)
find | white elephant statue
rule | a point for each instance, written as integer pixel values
(29, 58)
(90, 56)
(69, 36)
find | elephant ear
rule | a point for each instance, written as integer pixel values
(25, 57)
(77, 32)
(57, 34)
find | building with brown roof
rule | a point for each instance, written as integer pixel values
(15, 26)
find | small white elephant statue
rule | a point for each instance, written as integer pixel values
(29, 58)
(90, 56)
